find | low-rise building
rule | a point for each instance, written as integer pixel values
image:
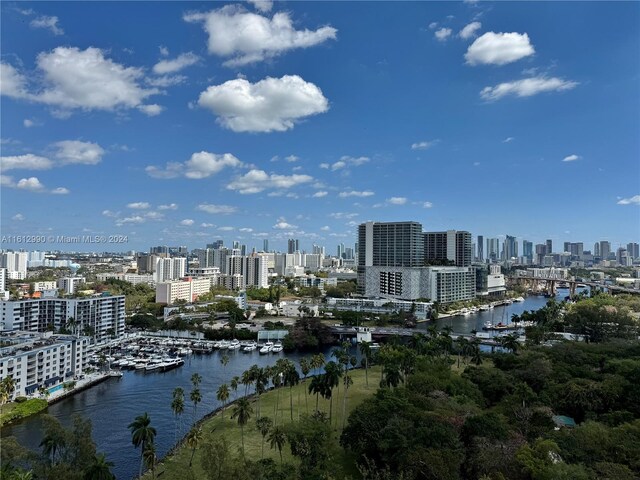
(380, 306)
(37, 361)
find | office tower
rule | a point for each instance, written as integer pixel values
(317, 250)
(549, 247)
(621, 256)
(160, 250)
(567, 247)
(480, 248)
(216, 244)
(596, 249)
(236, 245)
(541, 251)
(493, 249)
(527, 249)
(390, 244)
(452, 245)
(293, 245)
(340, 250)
(265, 245)
(576, 249)
(243, 249)
(510, 248)
(605, 249)
(633, 250)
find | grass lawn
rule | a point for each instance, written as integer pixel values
(14, 411)
(276, 405)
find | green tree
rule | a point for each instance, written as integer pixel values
(142, 434)
(365, 351)
(177, 406)
(196, 398)
(223, 395)
(150, 458)
(291, 379)
(277, 439)
(193, 440)
(264, 424)
(305, 368)
(242, 411)
(100, 469)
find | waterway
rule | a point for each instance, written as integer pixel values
(113, 404)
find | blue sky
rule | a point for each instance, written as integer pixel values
(181, 123)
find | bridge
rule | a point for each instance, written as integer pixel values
(379, 333)
(552, 284)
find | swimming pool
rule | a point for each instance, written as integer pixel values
(56, 388)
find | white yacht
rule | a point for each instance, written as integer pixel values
(250, 347)
(266, 348)
(234, 345)
(277, 348)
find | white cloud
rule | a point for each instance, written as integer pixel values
(499, 48)
(635, 200)
(151, 110)
(85, 79)
(77, 152)
(216, 209)
(443, 34)
(153, 215)
(262, 5)
(187, 222)
(397, 200)
(139, 205)
(109, 213)
(256, 181)
(60, 191)
(164, 51)
(292, 158)
(320, 194)
(32, 184)
(343, 215)
(28, 123)
(325, 228)
(508, 140)
(200, 165)
(355, 193)
(50, 23)
(282, 225)
(424, 145)
(171, 206)
(12, 83)
(246, 230)
(181, 62)
(226, 229)
(207, 225)
(427, 205)
(272, 104)
(571, 158)
(476, 164)
(433, 25)
(469, 30)
(25, 162)
(134, 219)
(248, 37)
(527, 87)
(18, 217)
(166, 81)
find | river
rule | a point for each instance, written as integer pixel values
(113, 404)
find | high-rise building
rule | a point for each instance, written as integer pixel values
(452, 245)
(633, 250)
(389, 244)
(576, 249)
(265, 245)
(510, 248)
(15, 263)
(549, 246)
(170, 269)
(493, 249)
(596, 249)
(541, 251)
(605, 249)
(293, 245)
(480, 248)
(567, 247)
(216, 244)
(527, 250)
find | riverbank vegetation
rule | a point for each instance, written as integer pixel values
(21, 408)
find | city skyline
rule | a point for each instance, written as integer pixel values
(499, 117)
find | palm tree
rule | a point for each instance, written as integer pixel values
(150, 458)
(317, 386)
(196, 378)
(463, 349)
(7, 387)
(277, 373)
(277, 439)
(193, 440)
(510, 342)
(365, 351)
(246, 379)
(222, 396)
(224, 360)
(100, 469)
(332, 379)
(24, 475)
(196, 398)
(52, 443)
(242, 411)
(291, 379)
(142, 434)
(474, 351)
(317, 361)
(262, 380)
(234, 386)
(263, 424)
(347, 383)
(177, 405)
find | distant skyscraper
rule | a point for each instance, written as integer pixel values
(216, 244)
(549, 247)
(605, 249)
(633, 250)
(541, 251)
(567, 247)
(510, 248)
(480, 248)
(293, 246)
(493, 249)
(596, 249)
(527, 250)
(265, 245)
(576, 249)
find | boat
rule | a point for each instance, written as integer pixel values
(154, 364)
(266, 348)
(484, 308)
(171, 363)
(250, 347)
(519, 299)
(223, 345)
(234, 345)
(487, 325)
(183, 352)
(277, 348)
